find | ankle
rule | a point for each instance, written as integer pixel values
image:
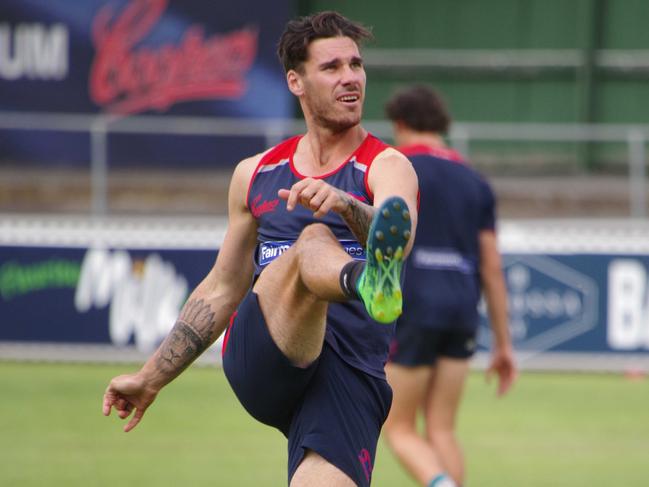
(349, 276)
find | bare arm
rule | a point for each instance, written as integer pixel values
(357, 215)
(495, 291)
(392, 174)
(205, 314)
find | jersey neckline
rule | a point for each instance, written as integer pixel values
(299, 175)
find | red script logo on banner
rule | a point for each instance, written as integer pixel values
(125, 79)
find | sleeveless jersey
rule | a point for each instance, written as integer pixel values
(353, 335)
(442, 285)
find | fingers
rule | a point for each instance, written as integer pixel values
(110, 399)
(305, 193)
(506, 376)
(503, 385)
(508, 380)
(107, 404)
(127, 394)
(323, 202)
(292, 195)
(313, 194)
(121, 405)
(123, 408)
(135, 420)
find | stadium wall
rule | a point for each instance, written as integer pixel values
(583, 61)
(109, 289)
(514, 61)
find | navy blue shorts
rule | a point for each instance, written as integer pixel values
(328, 407)
(413, 345)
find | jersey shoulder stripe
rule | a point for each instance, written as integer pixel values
(274, 158)
(369, 149)
(364, 157)
(283, 150)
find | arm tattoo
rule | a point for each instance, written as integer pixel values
(190, 336)
(358, 217)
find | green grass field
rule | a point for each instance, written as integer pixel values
(552, 430)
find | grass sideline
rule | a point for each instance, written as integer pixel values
(554, 429)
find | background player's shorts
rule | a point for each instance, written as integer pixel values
(329, 407)
(413, 345)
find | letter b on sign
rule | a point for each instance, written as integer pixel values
(628, 320)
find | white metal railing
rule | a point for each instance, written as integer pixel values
(273, 130)
(622, 61)
(515, 236)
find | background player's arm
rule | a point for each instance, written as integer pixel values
(205, 314)
(495, 291)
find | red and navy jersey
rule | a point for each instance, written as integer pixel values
(359, 340)
(442, 282)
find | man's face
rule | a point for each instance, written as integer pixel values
(333, 83)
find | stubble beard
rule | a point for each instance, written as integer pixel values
(325, 116)
(337, 125)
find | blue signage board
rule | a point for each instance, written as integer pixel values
(187, 57)
(98, 296)
(127, 57)
(576, 303)
(559, 303)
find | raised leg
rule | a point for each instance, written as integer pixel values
(315, 471)
(295, 289)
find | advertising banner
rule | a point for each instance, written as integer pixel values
(128, 57)
(96, 296)
(135, 56)
(576, 303)
(559, 303)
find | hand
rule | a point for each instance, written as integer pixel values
(128, 393)
(502, 364)
(315, 195)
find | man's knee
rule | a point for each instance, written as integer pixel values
(313, 234)
(303, 246)
(316, 231)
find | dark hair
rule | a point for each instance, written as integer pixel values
(420, 108)
(299, 33)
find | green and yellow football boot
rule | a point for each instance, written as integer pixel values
(379, 285)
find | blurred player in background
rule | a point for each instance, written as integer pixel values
(454, 257)
(306, 345)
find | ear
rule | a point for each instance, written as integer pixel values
(295, 82)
